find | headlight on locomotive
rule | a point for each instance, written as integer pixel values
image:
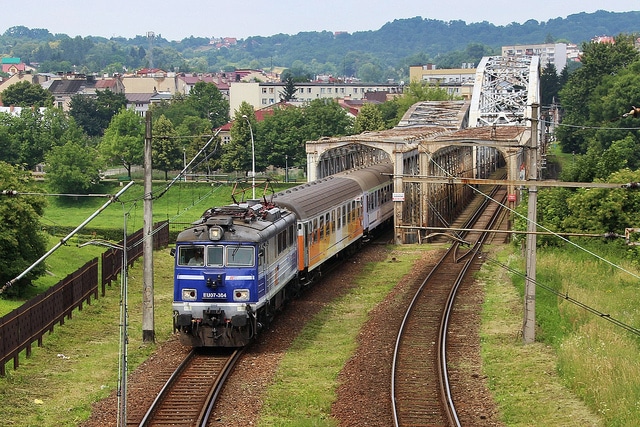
(215, 233)
(189, 295)
(241, 295)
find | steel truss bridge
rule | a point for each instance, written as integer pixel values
(439, 140)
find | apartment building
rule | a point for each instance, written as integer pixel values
(554, 53)
(261, 95)
(457, 81)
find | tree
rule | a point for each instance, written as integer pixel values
(284, 137)
(95, 114)
(73, 168)
(325, 117)
(599, 210)
(369, 118)
(166, 151)
(289, 90)
(599, 61)
(207, 100)
(22, 241)
(33, 133)
(237, 153)
(123, 141)
(177, 110)
(10, 144)
(25, 94)
(549, 85)
(196, 132)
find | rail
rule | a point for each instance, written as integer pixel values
(436, 305)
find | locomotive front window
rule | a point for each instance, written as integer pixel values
(215, 255)
(191, 255)
(240, 256)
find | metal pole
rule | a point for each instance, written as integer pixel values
(148, 327)
(124, 322)
(529, 326)
(253, 158)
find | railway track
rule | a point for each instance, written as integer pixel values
(188, 397)
(420, 390)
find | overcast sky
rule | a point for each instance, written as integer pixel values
(175, 20)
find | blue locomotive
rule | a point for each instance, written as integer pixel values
(238, 264)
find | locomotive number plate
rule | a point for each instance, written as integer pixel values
(215, 295)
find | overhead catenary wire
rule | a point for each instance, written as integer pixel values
(65, 239)
(564, 296)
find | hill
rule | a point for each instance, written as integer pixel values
(389, 50)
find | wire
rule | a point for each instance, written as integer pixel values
(589, 127)
(566, 297)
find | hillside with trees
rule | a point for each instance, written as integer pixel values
(375, 55)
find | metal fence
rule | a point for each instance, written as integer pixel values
(28, 323)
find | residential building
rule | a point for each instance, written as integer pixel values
(12, 65)
(554, 53)
(69, 85)
(261, 95)
(457, 81)
(26, 76)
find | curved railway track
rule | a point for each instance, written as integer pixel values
(188, 397)
(420, 390)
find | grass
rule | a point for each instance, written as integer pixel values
(78, 363)
(596, 359)
(299, 398)
(523, 378)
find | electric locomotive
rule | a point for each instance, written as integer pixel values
(238, 264)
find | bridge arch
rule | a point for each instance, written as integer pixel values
(459, 139)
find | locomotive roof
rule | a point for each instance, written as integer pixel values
(236, 227)
(310, 199)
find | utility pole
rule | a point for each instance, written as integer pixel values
(529, 326)
(148, 328)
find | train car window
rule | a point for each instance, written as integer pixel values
(215, 255)
(339, 221)
(292, 235)
(333, 221)
(327, 221)
(282, 241)
(315, 230)
(191, 255)
(262, 257)
(240, 256)
(321, 227)
(344, 215)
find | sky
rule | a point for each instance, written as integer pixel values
(244, 18)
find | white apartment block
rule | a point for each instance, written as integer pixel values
(555, 53)
(261, 95)
(457, 81)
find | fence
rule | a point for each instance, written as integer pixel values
(28, 323)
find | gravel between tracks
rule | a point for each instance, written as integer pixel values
(363, 397)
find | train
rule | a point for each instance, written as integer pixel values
(238, 264)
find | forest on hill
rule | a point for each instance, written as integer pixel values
(378, 55)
